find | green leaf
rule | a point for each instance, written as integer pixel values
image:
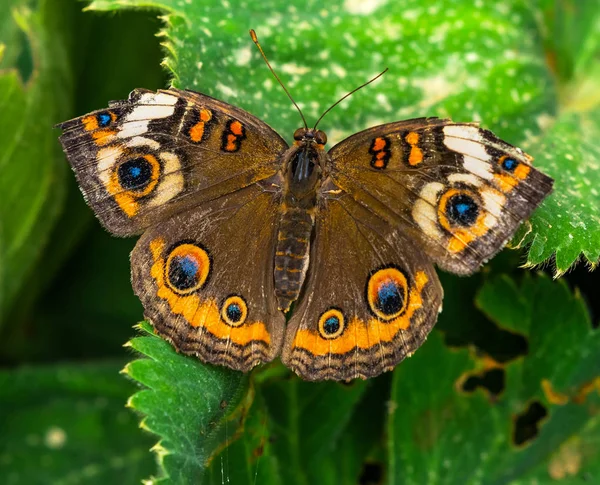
(568, 222)
(480, 61)
(34, 94)
(187, 404)
(294, 428)
(68, 424)
(567, 225)
(446, 426)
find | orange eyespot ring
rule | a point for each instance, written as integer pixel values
(331, 323)
(187, 269)
(138, 175)
(458, 207)
(387, 293)
(234, 311)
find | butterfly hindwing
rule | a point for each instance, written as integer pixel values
(370, 300)
(458, 190)
(146, 158)
(205, 278)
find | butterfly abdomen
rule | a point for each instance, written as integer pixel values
(292, 254)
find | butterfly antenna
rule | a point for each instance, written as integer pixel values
(255, 40)
(350, 93)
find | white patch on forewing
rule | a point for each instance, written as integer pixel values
(158, 99)
(107, 158)
(463, 131)
(425, 210)
(430, 192)
(426, 217)
(478, 167)
(467, 147)
(132, 129)
(467, 178)
(493, 201)
(140, 141)
(152, 112)
(172, 183)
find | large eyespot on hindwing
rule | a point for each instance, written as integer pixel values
(387, 293)
(234, 311)
(331, 324)
(188, 268)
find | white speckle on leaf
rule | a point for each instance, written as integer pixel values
(293, 69)
(226, 90)
(338, 70)
(360, 7)
(243, 56)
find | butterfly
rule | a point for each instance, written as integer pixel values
(237, 227)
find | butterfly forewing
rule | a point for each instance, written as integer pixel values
(155, 154)
(458, 190)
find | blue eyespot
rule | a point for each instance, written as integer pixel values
(183, 272)
(509, 164)
(187, 268)
(331, 325)
(462, 209)
(135, 174)
(104, 119)
(234, 312)
(389, 299)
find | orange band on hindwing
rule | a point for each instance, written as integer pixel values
(233, 134)
(335, 336)
(227, 320)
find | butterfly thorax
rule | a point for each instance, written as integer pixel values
(302, 171)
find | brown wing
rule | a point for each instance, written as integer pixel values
(146, 158)
(370, 299)
(205, 278)
(456, 190)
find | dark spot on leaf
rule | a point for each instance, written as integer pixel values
(259, 450)
(371, 474)
(492, 380)
(223, 404)
(526, 424)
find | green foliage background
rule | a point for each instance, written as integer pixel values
(507, 388)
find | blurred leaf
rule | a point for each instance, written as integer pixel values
(32, 181)
(68, 424)
(187, 404)
(575, 462)
(84, 269)
(442, 431)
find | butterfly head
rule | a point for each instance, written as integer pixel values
(310, 136)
